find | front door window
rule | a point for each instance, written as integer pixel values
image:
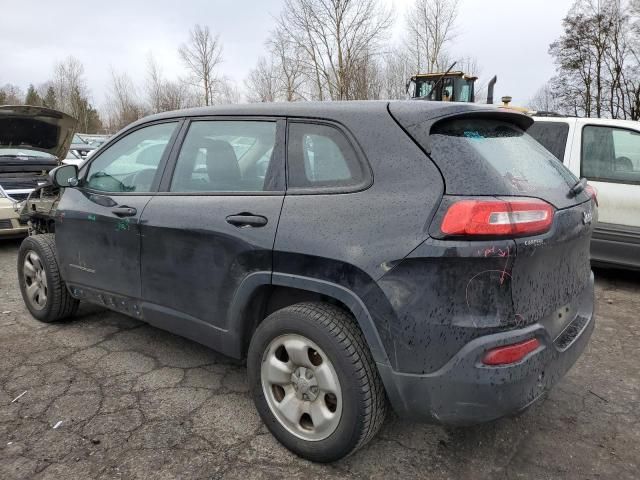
(131, 164)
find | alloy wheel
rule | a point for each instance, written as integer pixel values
(35, 279)
(301, 387)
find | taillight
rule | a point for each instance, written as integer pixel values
(510, 353)
(518, 216)
(592, 192)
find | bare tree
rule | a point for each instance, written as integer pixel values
(598, 61)
(395, 70)
(226, 92)
(616, 56)
(334, 37)
(367, 83)
(72, 95)
(622, 59)
(288, 66)
(545, 99)
(177, 95)
(573, 55)
(201, 55)
(602, 20)
(154, 85)
(430, 27)
(11, 94)
(469, 65)
(165, 95)
(281, 75)
(69, 84)
(631, 75)
(262, 83)
(122, 101)
(333, 49)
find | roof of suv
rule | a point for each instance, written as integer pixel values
(427, 110)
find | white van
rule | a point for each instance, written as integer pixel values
(607, 153)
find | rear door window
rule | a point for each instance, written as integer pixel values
(320, 157)
(610, 154)
(552, 135)
(481, 156)
(225, 156)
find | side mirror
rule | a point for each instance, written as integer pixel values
(64, 176)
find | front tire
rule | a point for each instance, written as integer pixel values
(314, 382)
(44, 292)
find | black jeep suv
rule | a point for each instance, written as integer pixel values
(428, 254)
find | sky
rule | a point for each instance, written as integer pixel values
(509, 38)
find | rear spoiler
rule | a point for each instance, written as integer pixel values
(414, 123)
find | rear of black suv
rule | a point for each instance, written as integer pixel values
(497, 303)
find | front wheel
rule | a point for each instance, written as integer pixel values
(314, 382)
(44, 292)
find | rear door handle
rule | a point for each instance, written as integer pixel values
(247, 220)
(124, 211)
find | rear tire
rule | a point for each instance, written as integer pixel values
(44, 292)
(339, 404)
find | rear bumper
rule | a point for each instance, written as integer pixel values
(464, 391)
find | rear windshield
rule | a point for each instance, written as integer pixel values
(493, 157)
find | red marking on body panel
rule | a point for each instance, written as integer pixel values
(489, 251)
(503, 274)
(502, 253)
(520, 320)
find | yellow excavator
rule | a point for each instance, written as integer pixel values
(451, 86)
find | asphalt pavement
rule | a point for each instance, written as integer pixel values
(106, 396)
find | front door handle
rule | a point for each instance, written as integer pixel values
(247, 220)
(124, 211)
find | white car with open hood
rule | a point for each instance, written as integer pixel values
(33, 140)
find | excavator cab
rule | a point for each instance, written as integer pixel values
(449, 86)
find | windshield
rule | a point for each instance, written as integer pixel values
(78, 139)
(23, 152)
(453, 89)
(424, 88)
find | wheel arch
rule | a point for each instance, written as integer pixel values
(261, 293)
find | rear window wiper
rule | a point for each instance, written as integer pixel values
(579, 186)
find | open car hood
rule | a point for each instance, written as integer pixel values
(36, 128)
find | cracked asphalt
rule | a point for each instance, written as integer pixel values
(131, 401)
